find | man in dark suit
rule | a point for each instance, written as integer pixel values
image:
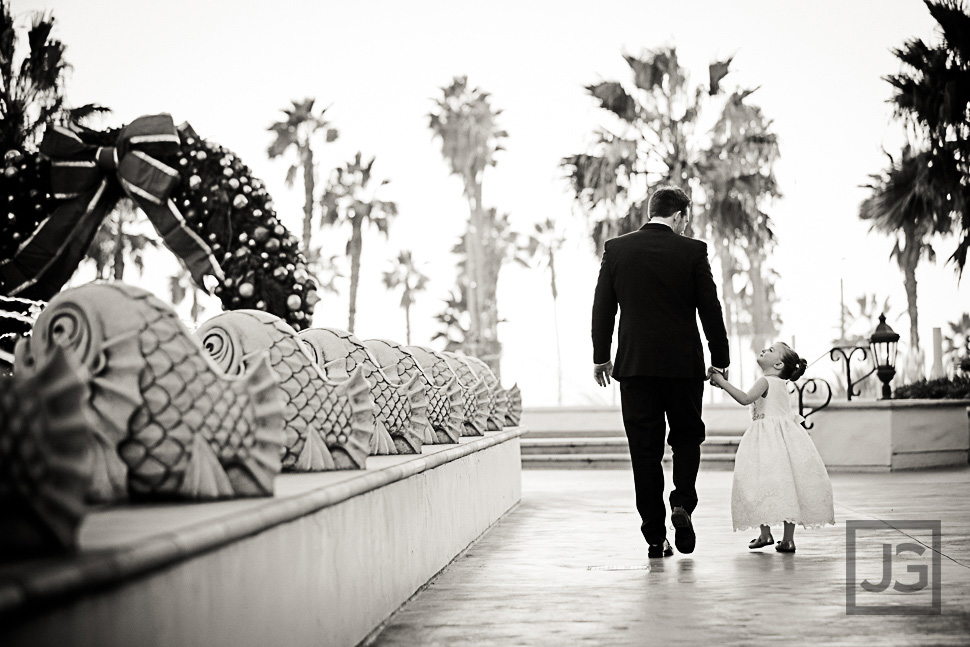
(661, 281)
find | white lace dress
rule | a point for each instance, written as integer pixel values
(778, 474)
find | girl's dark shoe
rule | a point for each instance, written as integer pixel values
(758, 542)
(785, 547)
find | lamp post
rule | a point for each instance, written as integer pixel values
(883, 344)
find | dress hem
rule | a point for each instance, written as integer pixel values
(807, 526)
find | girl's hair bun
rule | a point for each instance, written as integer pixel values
(799, 370)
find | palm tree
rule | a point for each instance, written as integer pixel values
(350, 198)
(466, 124)
(180, 285)
(326, 272)
(729, 173)
(406, 275)
(454, 320)
(931, 93)
(297, 132)
(32, 93)
(498, 245)
(652, 142)
(115, 244)
(736, 172)
(859, 321)
(542, 247)
(902, 204)
(957, 339)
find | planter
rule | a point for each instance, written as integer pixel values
(885, 435)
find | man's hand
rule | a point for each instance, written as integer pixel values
(717, 376)
(601, 373)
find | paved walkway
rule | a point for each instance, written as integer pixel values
(568, 567)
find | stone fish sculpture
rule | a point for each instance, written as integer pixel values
(474, 393)
(400, 409)
(45, 458)
(327, 425)
(444, 400)
(498, 400)
(168, 422)
(514, 414)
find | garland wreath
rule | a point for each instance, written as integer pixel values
(204, 202)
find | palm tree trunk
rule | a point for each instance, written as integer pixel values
(727, 287)
(909, 259)
(723, 253)
(407, 322)
(309, 188)
(555, 324)
(760, 308)
(356, 243)
(474, 247)
(196, 308)
(118, 254)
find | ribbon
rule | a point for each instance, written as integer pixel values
(89, 180)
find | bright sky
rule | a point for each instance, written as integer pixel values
(229, 66)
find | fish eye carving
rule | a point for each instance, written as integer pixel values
(222, 349)
(69, 328)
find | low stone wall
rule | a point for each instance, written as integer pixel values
(719, 418)
(886, 435)
(323, 562)
(857, 436)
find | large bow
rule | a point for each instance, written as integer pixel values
(90, 179)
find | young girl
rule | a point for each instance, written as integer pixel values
(778, 474)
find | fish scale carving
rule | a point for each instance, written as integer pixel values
(514, 414)
(45, 458)
(400, 408)
(498, 401)
(474, 394)
(444, 399)
(328, 425)
(170, 424)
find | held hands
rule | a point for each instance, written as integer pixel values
(601, 373)
(717, 376)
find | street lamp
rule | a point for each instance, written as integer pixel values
(883, 344)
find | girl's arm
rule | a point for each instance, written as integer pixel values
(759, 389)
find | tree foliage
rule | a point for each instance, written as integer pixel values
(32, 82)
(405, 274)
(932, 93)
(653, 136)
(466, 124)
(297, 132)
(902, 204)
(350, 198)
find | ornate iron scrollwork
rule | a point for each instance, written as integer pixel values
(810, 386)
(838, 351)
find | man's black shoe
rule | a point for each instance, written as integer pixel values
(684, 537)
(659, 550)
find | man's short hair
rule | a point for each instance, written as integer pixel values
(666, 201)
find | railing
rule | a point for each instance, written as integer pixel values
(845, 353)
(812, 385)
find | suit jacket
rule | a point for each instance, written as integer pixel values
(661, 281)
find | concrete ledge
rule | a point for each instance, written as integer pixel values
(323, 562)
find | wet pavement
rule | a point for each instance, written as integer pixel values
(568, 566)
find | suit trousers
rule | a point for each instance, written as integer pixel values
(645, 402)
